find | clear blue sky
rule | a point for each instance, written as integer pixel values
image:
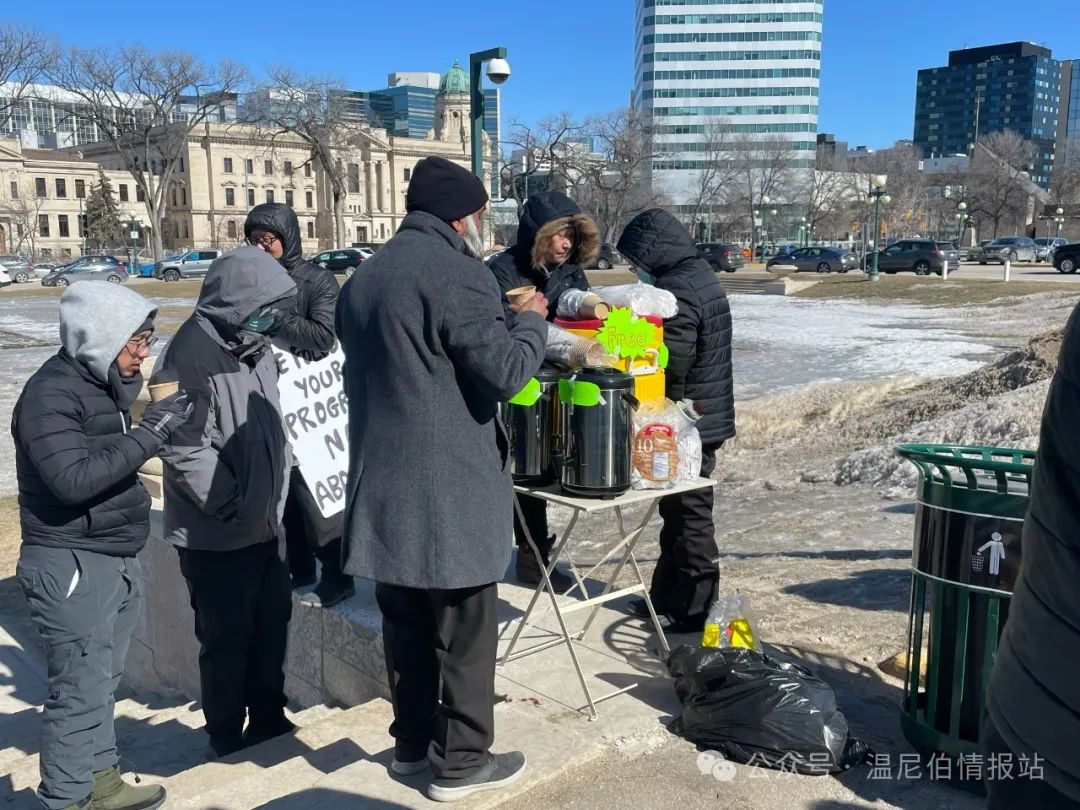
(575, 57)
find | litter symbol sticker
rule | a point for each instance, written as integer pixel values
(996, 548)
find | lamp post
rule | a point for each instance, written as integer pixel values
(1059, 220)
(498, 71)
(805, 230)
(961, 221)
(764, 202)
(133, 227)
(879, 195)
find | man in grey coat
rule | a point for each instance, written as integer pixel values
(428, 355)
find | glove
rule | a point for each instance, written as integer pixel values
(163, 417)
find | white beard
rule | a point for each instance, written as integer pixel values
(474, 242)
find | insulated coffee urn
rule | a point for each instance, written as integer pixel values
(531, 418)
(596, 426)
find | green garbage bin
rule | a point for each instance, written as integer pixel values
(968, 525)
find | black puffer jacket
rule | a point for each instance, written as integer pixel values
(77, 457)
(1034, 696)
(309, 328)
(699, 336)
(523, 264)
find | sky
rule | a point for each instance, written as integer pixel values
(572, 57)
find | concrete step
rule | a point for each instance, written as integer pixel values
(320, 742)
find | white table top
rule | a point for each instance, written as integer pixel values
(553, 494)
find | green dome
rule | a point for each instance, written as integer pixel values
(455, 80)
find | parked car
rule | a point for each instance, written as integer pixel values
(814, 260)
(952, 255)
(1067, 257)
(607, 258)
(769, 249)
(193, 264)
(5, 279)
(1013, 248)
(87, 268)
(1044, 247)
(19, 269)
(921, 256)
(975, 251)
(722, 256)
(344, 260)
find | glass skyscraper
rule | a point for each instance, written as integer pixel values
(751, 66)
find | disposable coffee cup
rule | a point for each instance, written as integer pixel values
(521, 295)
(163, 390)
(593, 306)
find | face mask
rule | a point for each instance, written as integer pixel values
(646, 277)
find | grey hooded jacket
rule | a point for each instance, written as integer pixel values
(227, 469)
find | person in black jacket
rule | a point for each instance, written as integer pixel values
(307, 330)
(1033, 704)
(555, 240)
(85, 515)
(698, 339)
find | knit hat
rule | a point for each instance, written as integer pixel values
(445, 190)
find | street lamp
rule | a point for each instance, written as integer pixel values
(133, 227)
(1059, 220)
(803, 229)
(498, 71)
(764, 202)
(879, 196)
(961, 220)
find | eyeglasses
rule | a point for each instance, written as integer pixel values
(263, 241)
(138, 344)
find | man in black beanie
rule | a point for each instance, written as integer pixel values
(429, 353)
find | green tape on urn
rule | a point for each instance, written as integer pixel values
(529, 395)
(662, 359)
(585, 394)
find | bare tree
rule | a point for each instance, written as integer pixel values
(1000, 189)
(23, 55)
(145, 105)
(762, 167)
(540, 156)
(22, 214)
(828, 197)
(709, 188)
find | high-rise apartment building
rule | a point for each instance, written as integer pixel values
(1068, 136)
(751, 66)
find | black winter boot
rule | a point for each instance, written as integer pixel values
(527, 567)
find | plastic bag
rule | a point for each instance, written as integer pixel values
(583, 304)
(666, 447)
(731, 623)
(569, 351)
(642, 299)
(759, 711)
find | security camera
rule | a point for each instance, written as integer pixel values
(498, 71)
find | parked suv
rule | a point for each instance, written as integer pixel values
(1013, 248)
(722, 256)
(1044, 247)
(952, 255)
(607, 258)
(87, 268)
(20, 270)
(345, 260)
(193, 264)
(921, 256)
(1067, 257)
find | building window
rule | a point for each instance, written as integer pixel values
(61, 188)
(15, 190)
(269, 195)
(359, 233)
(82, 225)
(62, 222)
(309, 199)
(66, 252)
(183, 195)
(249, 166)
(153, 167)
(227, 166)
(354, 178)
(140, 195)
(230, 196)
(408, 175)
(39, 187)
(230, 227)
(43, 224)
(123, 192)
(181, 165)
(251, 198)
(80, 189)
(289, 199)
(268, 167)
(307, 170)
(288, 168)
(311, 230)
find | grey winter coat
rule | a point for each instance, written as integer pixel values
(227, 468)
(428, 355)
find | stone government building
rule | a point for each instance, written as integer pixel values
(225, 169)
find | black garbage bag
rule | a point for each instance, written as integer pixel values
(759, 711)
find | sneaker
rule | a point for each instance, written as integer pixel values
(668, 623)
(499, 771)
(328, 594)
(403, 768)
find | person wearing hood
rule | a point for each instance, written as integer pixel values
(226, 474)
(555, 241)
(429, 354)
(307, 329)
(85, 515)
(698, 339)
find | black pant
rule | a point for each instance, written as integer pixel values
(450, 634)
(535, 512)
(1015, 792)
(685, 580)
(242, 601)
(303, 549)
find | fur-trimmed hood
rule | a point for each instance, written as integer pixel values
(544, 215)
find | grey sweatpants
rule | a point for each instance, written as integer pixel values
(84, 605)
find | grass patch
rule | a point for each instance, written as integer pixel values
(928, 291)
(10, 536)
